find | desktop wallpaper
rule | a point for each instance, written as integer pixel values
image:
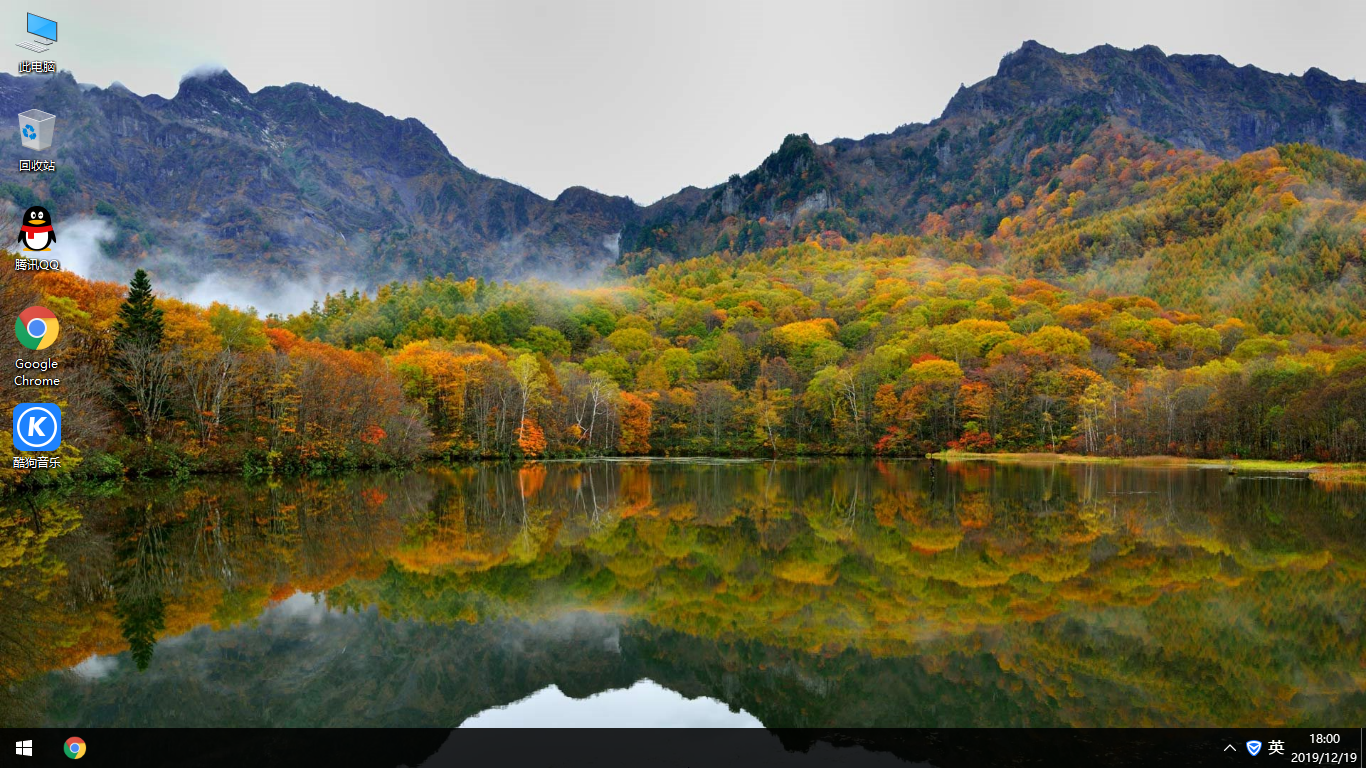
(784, 364)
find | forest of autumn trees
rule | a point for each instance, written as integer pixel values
(1049, 335)
(153, 385)
(862, 349)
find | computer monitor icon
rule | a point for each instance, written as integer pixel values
(44, 28)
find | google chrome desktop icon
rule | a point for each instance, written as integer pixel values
(36, 328)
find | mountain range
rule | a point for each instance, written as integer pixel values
(291, 179)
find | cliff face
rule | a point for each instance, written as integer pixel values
(294, 179)
(1200, 102)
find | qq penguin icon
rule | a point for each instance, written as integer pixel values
(37, 427)
(36, 232)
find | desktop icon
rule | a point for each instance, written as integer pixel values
(36, 232)
(43, 29)
(24, 748)
(1253, 747)
(36, 328)
(75, 748)
(37, 427)
(35, 129)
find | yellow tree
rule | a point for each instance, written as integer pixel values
(636, 416)
(531, 386)
(768, 408)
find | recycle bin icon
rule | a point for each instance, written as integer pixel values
(35, 128)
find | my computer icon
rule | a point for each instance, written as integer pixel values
(44, 29)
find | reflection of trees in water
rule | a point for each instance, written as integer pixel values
(383, 673)
(1058, 574)
(1074, 583)
(38, 535)
(160, 559)
(143, 569)
(142, 615)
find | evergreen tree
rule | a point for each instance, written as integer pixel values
(142, 372)
(139, 318)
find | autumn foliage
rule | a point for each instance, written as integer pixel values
(532, 440)
(1139, 301)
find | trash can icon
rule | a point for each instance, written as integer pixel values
(35, 128)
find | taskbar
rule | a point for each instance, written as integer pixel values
(706, 748)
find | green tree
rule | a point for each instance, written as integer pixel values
(139, 319)
(142, 371)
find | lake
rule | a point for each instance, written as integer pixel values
(834, 593)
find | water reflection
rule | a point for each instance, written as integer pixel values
(644, 705)
(806, 593)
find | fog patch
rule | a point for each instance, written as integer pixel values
(299, 607)
(82, 243)
(585, 627)
(290, 296)
(95, 668)
(80, 248)
(566, 267)
(203, 70)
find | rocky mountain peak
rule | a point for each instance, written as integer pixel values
(1198, 101)
(1030, 54)
(219, 82)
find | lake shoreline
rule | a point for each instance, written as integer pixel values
(1319, 471)
(1322, 472)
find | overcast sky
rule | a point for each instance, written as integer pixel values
(641, 98)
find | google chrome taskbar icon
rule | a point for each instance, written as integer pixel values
(74, 748)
